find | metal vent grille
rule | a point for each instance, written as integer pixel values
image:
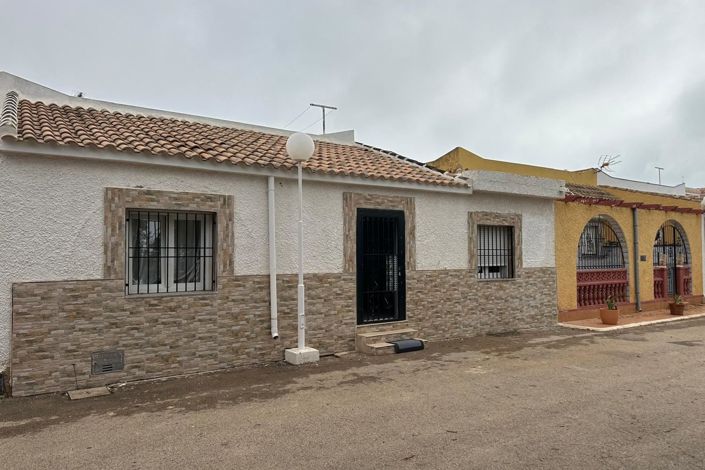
(104, 362)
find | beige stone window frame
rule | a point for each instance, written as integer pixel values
(496, 219)
(354, 201)
(119, 200)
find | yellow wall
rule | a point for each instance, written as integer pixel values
(570, 219)
(461, 159)
(649, 223)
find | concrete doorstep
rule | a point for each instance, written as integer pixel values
(88, 393)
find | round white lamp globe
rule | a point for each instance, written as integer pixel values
(300, 146)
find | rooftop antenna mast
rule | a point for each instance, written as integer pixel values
(323, 110)
(607, 162)
(660, 169)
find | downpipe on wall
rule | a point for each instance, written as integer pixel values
(637, 290)
(272, 259)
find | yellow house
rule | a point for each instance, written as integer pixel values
(640, 247)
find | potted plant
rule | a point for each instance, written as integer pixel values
(677, 307)
(610, 315)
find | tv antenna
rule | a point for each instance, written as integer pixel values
(606, 162)
(324, 107)
(660, 169)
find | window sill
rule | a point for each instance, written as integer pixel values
(171, 294)
(508, 279)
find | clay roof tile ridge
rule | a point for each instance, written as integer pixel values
(9, 115)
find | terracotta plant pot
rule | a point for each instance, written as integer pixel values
(677, 309)
(609, 317)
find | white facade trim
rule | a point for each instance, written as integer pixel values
(513, 184)
(47, 150)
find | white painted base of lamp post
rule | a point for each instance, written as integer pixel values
(298, 356)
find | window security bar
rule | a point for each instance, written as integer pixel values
(495, 252)
(169, 251)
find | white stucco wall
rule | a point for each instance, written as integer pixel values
(51, 226)
(603, 179)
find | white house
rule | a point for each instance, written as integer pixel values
(136, 244)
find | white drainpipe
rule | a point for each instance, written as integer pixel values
(272, 259)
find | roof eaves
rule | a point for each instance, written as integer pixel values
(650, 193)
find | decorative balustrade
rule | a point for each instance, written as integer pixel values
(660, 282)
(596, 285)
(684, 280)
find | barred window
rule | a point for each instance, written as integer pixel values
(599, 247)
(495, 252)
(169, 252)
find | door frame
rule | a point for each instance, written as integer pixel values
(400, 217)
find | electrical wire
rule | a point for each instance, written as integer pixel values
(326, 113)
(296, 118)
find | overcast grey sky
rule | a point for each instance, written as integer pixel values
(555, 83)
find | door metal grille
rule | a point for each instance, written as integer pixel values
(670, 251)
(380, 266)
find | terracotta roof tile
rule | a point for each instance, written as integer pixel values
(87, 127)
(590, 192)
(687, 197)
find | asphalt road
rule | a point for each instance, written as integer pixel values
(551, 399)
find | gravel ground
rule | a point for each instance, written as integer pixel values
(550, 399)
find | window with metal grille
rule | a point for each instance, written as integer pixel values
(169, 251)
(599, 247)
(495, 252)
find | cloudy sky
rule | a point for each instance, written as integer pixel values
(555, 83)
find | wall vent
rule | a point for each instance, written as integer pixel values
(104, 362)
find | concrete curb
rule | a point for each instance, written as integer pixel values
(632, 325)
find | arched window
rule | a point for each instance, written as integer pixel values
(599, 247)
(601, 263)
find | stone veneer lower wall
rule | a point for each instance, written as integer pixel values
(453, 303)
(57, 325)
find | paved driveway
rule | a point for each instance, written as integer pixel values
(553, 399)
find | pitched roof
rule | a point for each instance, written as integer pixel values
(687, 197)
(125, 132)
(589, 192)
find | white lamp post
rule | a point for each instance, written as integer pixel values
(300, 147)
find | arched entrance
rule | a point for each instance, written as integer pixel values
(602, 263)
(671, 261)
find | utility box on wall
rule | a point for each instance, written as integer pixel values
(104, 362)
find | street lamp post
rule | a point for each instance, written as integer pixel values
(300, 148)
